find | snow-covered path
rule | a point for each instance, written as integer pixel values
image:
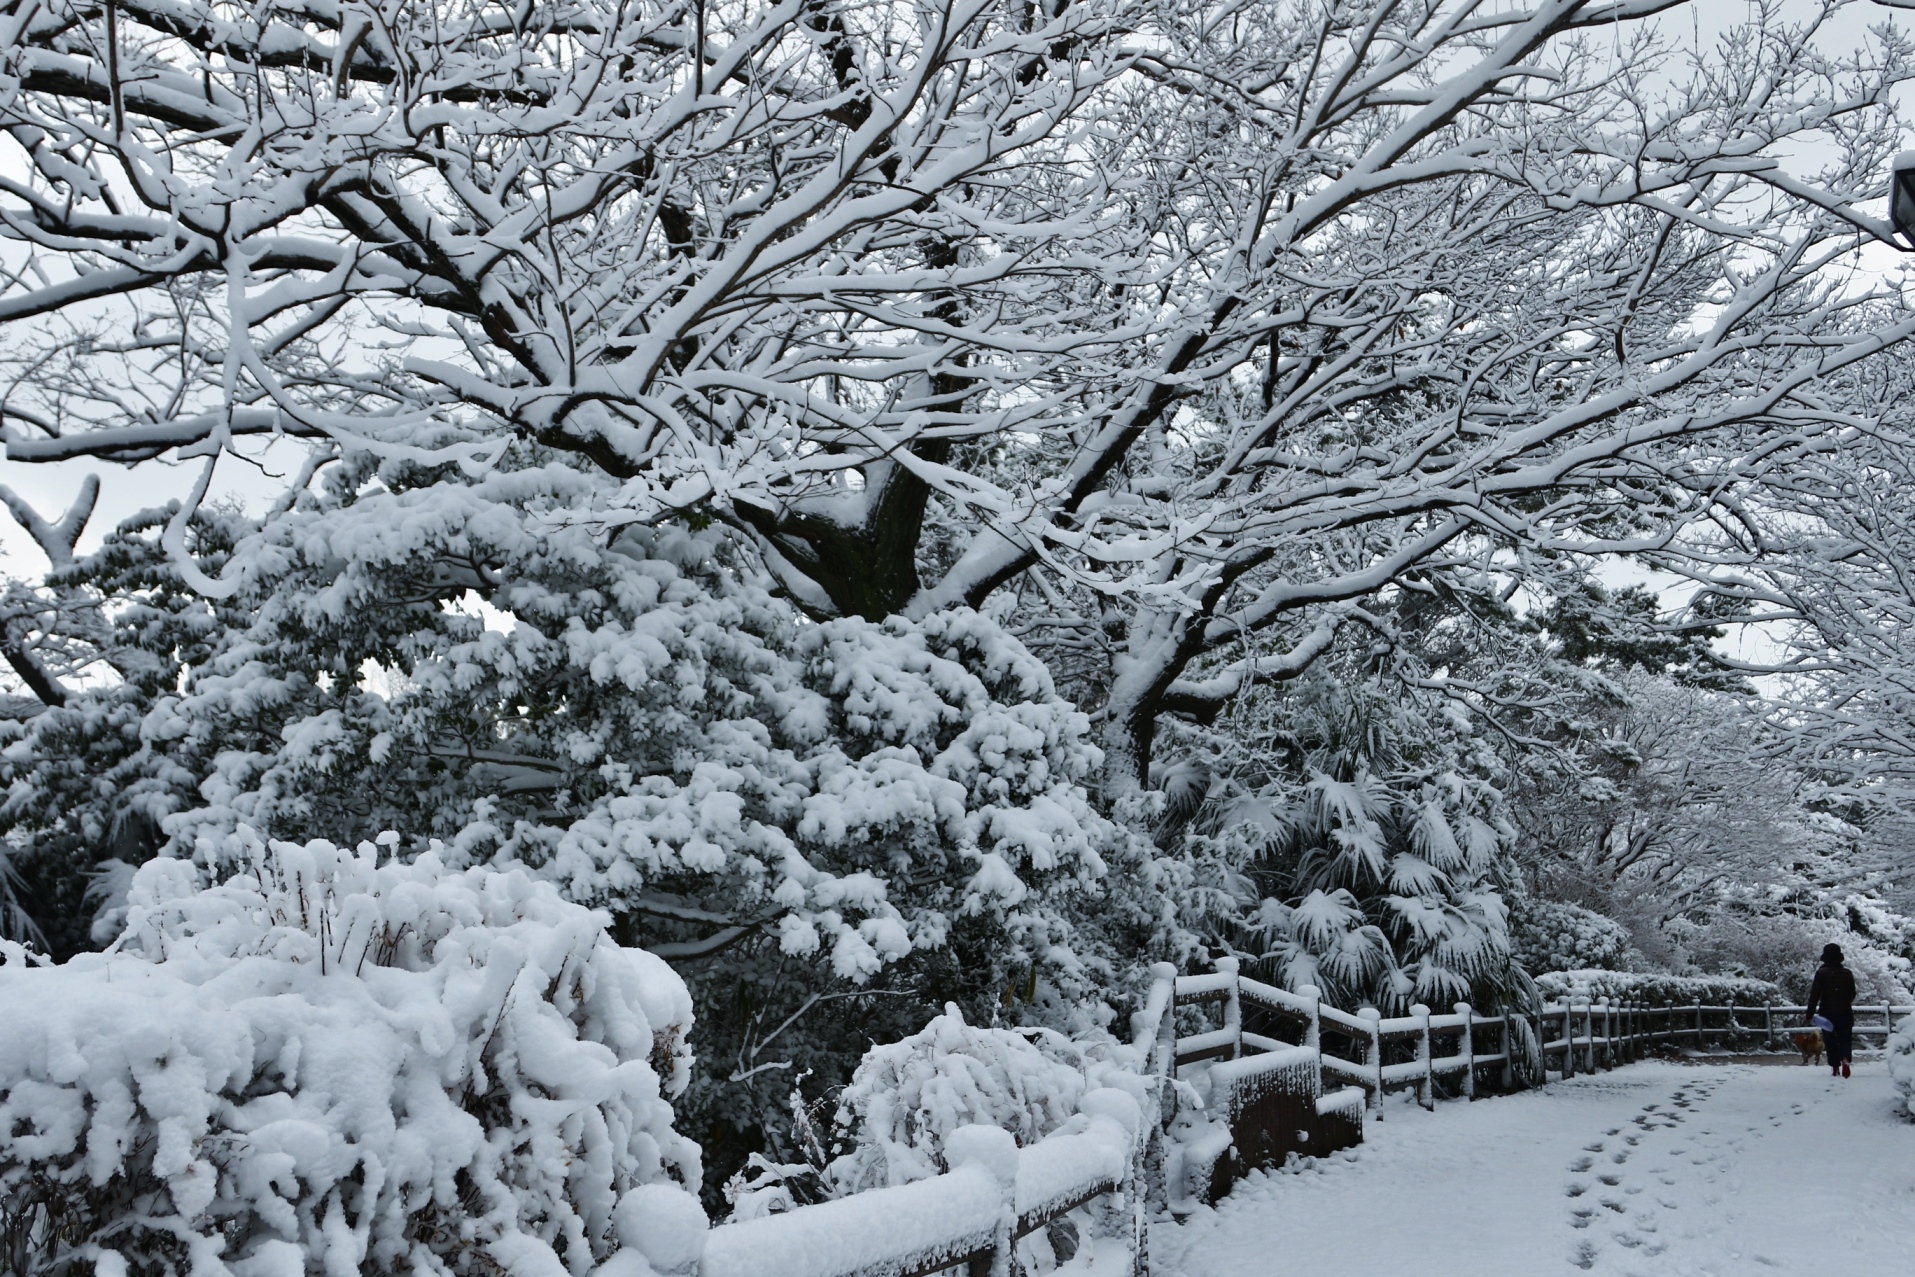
(1654, 1169)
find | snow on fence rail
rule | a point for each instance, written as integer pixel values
(993, 1194)
(1267, 1090)
(1591, 1033)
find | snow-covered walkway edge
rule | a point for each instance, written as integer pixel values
(1658, 1168)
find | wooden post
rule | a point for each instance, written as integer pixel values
(1569, 1039)
(1729, 1029)
(1163, 1067)
(1768, 1025)
(1313, 1024)
(1608, 1034)
(1468, 1049)
(1699, 1029)
(1313, 1029)
(1232, 1007)
(1373, 1059)
(1426, 1089)
(1509, 1053)
(1000, 1260)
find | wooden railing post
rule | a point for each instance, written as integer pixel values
(1768, 1025)
(1373, 1058)
(1569, 1039)
(1164, 1067)
(1313, 1022)
(1608, 1034)
(1232, 1006)
(1509, 1054)
(1468, 1049)
(1426, 1088)
(995, 1153)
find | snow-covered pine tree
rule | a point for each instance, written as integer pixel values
(806, 817)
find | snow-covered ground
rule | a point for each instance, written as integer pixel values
(1653, 1169)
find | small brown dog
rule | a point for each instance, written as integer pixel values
(1809, 1043)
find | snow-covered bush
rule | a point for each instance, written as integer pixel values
(331, 1065)
(1554, 935)
(907, 1097)
(1901, 1061)
(1657, 989)
(886, 815)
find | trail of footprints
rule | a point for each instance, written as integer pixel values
(1613, 1198)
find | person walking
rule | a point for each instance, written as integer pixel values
(1833, 994)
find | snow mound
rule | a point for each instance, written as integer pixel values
(333, 1065)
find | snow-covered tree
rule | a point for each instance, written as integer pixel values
(1210, 321)
(728, 426)
(806, 818)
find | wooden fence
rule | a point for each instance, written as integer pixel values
(1309, 1092)
(1570, 1036)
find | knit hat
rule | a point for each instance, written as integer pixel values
(1832, 953)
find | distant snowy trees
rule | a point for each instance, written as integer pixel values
(843, 486)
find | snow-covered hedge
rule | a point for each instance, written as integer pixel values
(331, 1065)
(1656, 989)
(1901, 1062)
(1554, 935)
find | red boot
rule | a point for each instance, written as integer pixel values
(1845, 1068)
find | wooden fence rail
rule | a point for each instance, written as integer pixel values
(1306, 1091)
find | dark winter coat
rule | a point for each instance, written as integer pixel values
(1833, 992)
